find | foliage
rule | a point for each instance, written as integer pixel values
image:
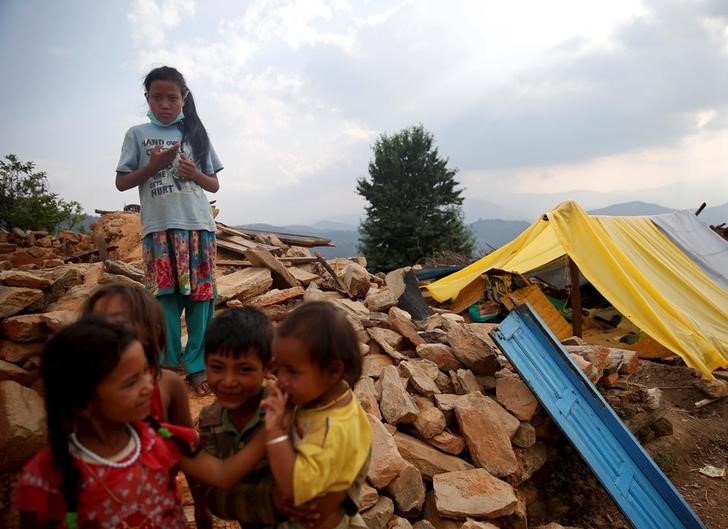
(26, 202)
(415, 207)
(665, 460)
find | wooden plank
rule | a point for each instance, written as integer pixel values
(232, 262)
(243, 284)
(222, 243)
(240, 248)
(236, 239)
(86, 253)
(274, 297)
(285, 260)
(261, 257)
(292, 239)
(575, 298)
(247, 243)
(540, 303)
(469, 295)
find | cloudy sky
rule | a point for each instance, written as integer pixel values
(531, 101)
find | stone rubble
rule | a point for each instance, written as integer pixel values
(457, 434)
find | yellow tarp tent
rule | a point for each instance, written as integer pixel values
(634, 266)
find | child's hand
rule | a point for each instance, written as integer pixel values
(186, 167)
(278, 415)
(159, 159)
(307, 514)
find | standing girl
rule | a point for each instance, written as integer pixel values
(173, 163)
(137, 308)
(106, 467)
(317, 360)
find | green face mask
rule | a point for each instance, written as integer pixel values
(154, 119)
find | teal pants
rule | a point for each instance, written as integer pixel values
(197, 315)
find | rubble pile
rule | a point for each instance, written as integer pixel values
(721, 229)
(27, 249)
(458, 436)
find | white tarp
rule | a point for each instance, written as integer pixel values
(705, 248)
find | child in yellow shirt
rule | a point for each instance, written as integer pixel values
(324, 446)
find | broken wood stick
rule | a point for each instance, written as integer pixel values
(341, 287)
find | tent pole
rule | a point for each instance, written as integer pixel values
(575, 298)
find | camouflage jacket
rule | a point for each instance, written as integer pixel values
(249, 502)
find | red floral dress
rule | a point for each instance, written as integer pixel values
(142, 495)
(180, 261)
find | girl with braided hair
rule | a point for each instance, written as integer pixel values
(110, 465)
(172, 162)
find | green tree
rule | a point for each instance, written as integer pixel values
(25, 201)
(415, 206)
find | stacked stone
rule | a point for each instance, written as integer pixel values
(29, 250)
(33, 304)
(457, 434)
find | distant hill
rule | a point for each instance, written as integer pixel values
(631, 209)
(346, 240)
(476, 209)
(494, 233)
(489, 234)
(715, 215)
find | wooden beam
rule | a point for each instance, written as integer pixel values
(86, 253)
(282, 278)
(340, 286)
(575, 298)
(291, 239)
(293, 261)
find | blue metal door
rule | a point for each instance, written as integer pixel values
(633, 480)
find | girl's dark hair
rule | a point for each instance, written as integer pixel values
(237, 331)
(328, 335)
(145, 317)
(193, 131)
(74, 362)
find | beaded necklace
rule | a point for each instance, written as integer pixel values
(102, 460)
(72, 517)
(336, 400)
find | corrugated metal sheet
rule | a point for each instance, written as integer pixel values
(635, 482)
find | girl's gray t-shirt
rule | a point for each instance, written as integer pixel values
(167, 201)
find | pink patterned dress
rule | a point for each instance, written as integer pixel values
(180, 261)
(141, 496)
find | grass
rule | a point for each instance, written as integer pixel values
(665, 460)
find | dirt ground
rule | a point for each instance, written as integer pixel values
(699, 438)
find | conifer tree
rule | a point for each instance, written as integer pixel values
(415, 205)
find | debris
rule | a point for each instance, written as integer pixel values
(341, 287)
(540, 303)
(705, 402)
(712, 472)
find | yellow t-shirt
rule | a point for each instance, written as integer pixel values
(334, 446)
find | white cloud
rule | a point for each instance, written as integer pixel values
(149, 20)
(297, 23)
(698, 164)
(522, 96)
